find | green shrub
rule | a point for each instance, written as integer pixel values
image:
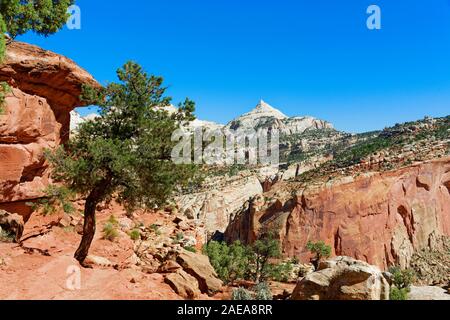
(190, 249)
(110, 229)
(230, 262)
(155, 229)
(264, 249)
(262, 292)
(135, 234)
(253, 262)
(402, 278)
(178, 237)
(282, 272)
(398, 294)
(6, 236)
(320, 250)
(241, 294)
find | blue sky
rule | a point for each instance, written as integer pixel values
(304, 57)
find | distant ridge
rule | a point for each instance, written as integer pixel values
(263, 116)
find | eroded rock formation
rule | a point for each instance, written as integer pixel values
(380, 218)
(219, 200)
(36, 116)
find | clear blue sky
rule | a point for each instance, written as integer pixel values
(305, 57)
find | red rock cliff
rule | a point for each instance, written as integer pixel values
(45, 88)
(382, 218)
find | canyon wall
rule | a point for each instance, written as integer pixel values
(380, 218)
(216, 205)
(45, 87)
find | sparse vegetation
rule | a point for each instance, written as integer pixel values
(190, 249)
(231, 262)
(264, 249)
(253, 262)
(260, 292)
(135, 234)
(402, 280)
(397, 294)
(282, 272)
(320, 250)
(110, 231)
(178, 237)
(241, 294)
(155, 228)
(6, 236)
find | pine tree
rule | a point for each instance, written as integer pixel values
(125, 153)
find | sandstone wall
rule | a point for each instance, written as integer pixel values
(215, 206)
(381, 219)
(45, 88)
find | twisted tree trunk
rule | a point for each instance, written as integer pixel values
(94, 198)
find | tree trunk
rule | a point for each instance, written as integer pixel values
(89, 223)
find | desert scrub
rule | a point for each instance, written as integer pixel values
(240, 262)
(282, 272)
(155, 228)
(402, 280)
(260, 291)
(110, 231)
(6, 236)
(135, 234)
(178, 237)
(241, 294)
(190, 249)
(398, 294)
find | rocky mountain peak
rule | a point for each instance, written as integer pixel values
(263, 109)
(264, 116)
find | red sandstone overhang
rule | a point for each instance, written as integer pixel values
(46, 74)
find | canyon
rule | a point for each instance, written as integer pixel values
(379, 218)
(382, 207)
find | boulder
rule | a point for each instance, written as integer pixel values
(343, 278)
(169, 266)
(200, 268)
(183, 284)
(12, 224)
(428, 293)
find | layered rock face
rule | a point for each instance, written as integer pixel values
(220, 199)
(36, 116)
(380, 218)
